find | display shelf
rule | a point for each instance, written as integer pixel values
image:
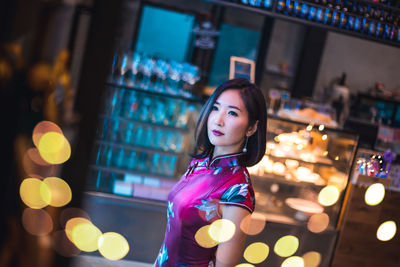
(327, 163)
(273, 13)
(139, 148)
(194, 98)
(123, 171)
(123, 119)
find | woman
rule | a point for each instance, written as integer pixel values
(230, 135)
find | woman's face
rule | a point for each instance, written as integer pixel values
(227, 123)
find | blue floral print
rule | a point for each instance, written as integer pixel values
(170, 214)
(163, 257)
(209, 207)
(236, 193)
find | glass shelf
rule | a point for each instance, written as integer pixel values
(147, 123)
(193, 98)
(139, 148)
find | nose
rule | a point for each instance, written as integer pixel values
(219, 118)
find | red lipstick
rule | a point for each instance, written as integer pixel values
(217, 133)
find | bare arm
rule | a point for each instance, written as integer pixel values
(230, 252)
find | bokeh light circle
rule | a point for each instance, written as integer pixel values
(375, 194)
(72, 223)
(61, 193)
(312, 259)
(203, 237)
(44, 127)
(245, 265)
(54, 148)
(113, 246)
(34, 193)
(253, 224)
(85, 236)
(293, 262)
(222, 230)
(286, 246)
(318, 222)
(256, 252)
(329, 195)
(37, 221)
(386, 231)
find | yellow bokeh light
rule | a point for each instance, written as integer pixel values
(256, 252)
(321, 127)
(286, 246)
(113, 246)
(44, 127)
(222, 230)
(312, 259)
(34, 193)
(245, 265)
(253, 223)
(329, 195)
(318, 222)
(54, 148)
(293, 262)
(37, 221)
(204, 239)
(375, 194)
(72, 223)
(309, 127)
(325, 153)
(60, 191)
(85, 236)
(386, 231)
(337, 158)
(324, 137)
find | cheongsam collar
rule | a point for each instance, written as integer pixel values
(227, 160)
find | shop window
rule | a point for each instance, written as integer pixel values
(165, 33)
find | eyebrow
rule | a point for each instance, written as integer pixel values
(234, 107)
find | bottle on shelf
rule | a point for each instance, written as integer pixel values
(280, 7)
(312, 12)
(289, 7)
(328, 13)
(336, 13)
(304, 10)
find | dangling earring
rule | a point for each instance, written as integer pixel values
(245, 145)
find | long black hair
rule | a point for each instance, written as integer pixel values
(255, 104)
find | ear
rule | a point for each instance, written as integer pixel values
(252, 129)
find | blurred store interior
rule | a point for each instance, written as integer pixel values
(99, 100)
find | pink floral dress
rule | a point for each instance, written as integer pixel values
(193, 203)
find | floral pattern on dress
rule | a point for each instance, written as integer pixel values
(236, 193)
(170, 214)
(210, 207)
(217, 170)
(163, 257)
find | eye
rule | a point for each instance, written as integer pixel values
(214, 108)
(233, 113)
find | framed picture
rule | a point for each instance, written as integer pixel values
(241, 67)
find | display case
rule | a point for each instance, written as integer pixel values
(304, 172)
(144, 142)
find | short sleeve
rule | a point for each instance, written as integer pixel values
(238, 192)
